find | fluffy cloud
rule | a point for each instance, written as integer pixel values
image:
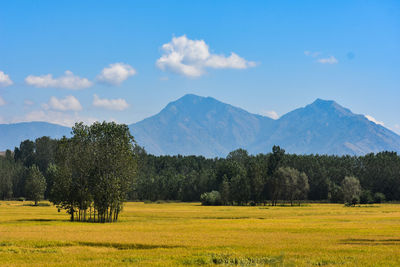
(192, 57)
(2, 101)
(5, 80)
(328, 60)
(112, 104)
(69, 103)
(116, 73)
(271, 114)
(67, 81)
(370, 118)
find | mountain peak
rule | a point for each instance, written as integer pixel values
(189, 97)
(320, 101)
(321, 105)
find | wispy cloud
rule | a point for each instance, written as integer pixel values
(312, 54)
(69, 103)
(370, 118)
(67, 81)
(111, 104)
(192, 57)
(116, 73)
(5, 80)
(328, 60)
(322, 60)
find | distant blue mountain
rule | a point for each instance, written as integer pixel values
(11, 135)
(195, 125)
(325, 127)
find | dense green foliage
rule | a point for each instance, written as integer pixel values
(100, 166)
(95, 169)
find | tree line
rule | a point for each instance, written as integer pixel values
(92, 173)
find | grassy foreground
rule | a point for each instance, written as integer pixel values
(190, 234)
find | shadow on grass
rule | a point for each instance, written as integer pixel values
(38, 205)
(123, 246)
(40, 220)
(370, 242)
(53, 244)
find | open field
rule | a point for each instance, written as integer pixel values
(189, 234)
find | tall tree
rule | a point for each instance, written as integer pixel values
(25, 153)
(35, 184)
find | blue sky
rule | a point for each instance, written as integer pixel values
(62, 61)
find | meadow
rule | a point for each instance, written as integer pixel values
(174, 234)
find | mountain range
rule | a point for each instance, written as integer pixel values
(195, 125)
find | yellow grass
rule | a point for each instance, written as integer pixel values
(189, 234)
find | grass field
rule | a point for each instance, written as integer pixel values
(189, 234)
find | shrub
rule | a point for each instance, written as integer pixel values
(212, 198)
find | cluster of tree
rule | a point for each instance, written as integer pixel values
(94, 171)
(241, 178)
(91, 174)
(246, 179)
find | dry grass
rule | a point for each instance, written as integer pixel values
(189, 234)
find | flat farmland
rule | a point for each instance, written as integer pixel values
(188, 234)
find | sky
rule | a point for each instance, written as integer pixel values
(68, 61)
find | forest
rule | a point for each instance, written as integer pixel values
(91, 174)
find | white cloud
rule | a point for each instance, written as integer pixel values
(271, 114)
(112, 104)
(69, 103)
(116, 73)
(192, 57)
(328, 60)
(370, 118)
(67, 81)
(2, 101)
(5, 80)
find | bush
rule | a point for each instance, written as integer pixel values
(366, 197)
(379, 197)
(212, 198)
